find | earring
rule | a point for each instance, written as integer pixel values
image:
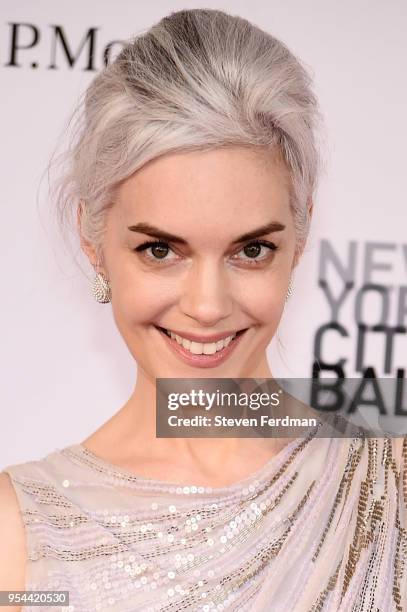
(289, 290)
(101, 289)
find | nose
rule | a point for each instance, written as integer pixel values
(206, 295)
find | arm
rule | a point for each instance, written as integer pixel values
(13, 553)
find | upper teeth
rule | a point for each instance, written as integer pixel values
(199, 348)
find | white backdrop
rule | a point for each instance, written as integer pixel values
(64, 368)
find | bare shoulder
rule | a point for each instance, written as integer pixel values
(13, 553)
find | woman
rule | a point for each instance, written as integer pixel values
(192, 177)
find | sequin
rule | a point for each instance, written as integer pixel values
(202, 548)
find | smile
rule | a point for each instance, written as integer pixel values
(202, 353)
(201, 348)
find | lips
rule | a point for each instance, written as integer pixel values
(207, 339)
(209, 354)
(200, 339)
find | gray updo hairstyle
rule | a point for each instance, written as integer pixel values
(196, 80)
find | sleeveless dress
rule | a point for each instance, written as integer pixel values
(320, 526)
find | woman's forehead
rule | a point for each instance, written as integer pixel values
(223, 181)
(221, 161)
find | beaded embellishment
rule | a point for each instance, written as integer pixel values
(320, 527)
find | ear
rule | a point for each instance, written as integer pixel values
(86, 246)
(310, 205)
(296, 260)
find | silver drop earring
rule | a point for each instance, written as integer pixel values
(101, 289)
(289, 290)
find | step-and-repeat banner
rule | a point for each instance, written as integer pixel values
(64, 367)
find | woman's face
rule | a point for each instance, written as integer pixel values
(179, 258)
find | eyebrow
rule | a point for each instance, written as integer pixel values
(155, 232)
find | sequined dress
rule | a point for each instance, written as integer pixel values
(321, 526)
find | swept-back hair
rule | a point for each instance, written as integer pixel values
(197, 79)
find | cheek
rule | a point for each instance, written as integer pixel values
(268, 310)
(264, 298)
(141, 300)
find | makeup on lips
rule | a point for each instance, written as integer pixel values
(202, 351)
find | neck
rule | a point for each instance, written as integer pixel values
(138, 424)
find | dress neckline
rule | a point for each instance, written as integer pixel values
(81, 452)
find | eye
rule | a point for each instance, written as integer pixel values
(157, 248)
(253, 249)
(157, 251)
